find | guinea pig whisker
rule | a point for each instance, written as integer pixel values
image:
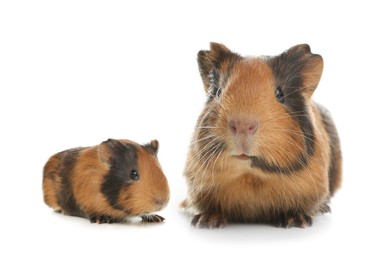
(290, 78)
(208, 160)
(205, 185)
(207, 127)
(287, 95)
(207, 156)
(209, 139)
(210, 136)
(202, 155)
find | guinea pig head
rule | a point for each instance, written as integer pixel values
(135, 182)
(257, 106)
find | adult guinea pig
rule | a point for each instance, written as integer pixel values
(107, 183)
(262, 150)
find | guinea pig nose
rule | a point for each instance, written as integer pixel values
(241, 126)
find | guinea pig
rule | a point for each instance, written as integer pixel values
(262, 150)
(108, 182)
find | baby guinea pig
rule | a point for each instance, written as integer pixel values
(262, 150)
(107, 183)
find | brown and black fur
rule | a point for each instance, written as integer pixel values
(108, 182)
(262, 150)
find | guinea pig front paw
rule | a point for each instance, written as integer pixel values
(294, 220)
(104, 219)
(325, 208)
(152, 218)
(209, 220)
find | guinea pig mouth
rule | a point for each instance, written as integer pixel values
(242, 157)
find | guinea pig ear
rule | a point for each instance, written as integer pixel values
(105, 150)
(310, 66)
(312, 73)
(211, 63)
(152, 147)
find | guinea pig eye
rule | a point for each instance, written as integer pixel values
(279, 94)
(134, 175)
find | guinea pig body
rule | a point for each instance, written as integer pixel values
(107, 183)
(262, 150)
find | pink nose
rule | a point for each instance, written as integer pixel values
(240, 126)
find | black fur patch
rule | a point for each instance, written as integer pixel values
(259, 162)
(214, 88)
(124, 160)
(214, 78)
(150, 149)
(219, 79)
(65, 196)
(334, 145)
(287, 69)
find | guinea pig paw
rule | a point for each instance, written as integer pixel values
(325, 208)
(104, 219)
(152, 218)
(209, 220)
(297, 220)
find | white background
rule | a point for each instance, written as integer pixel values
(74, 73)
